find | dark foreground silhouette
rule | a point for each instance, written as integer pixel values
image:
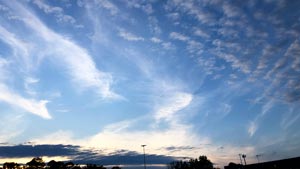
(291, 163)
(201, 163)
(38, 163)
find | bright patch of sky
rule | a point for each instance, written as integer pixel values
(186, 78)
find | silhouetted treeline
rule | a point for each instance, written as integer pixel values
(38, 163)
(201, 163)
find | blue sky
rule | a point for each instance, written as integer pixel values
(186, 78)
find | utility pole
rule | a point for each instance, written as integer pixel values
(144, 156)
(257, 156)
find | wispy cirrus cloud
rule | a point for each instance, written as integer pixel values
(290, 117)
(29, 105)
(20, 49)
(76, 60)
(253, 126)
(177, 102)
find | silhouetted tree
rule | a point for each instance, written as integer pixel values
(232, 165)
(116, 167)
(94, 166)
(36, 163)
(179, 165)
(10, 165)
(201, 163)
(55, 164)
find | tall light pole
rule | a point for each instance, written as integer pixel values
(144, 156)
(241, 159)
(244, 157)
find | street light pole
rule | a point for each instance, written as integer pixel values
(144, 156)
(241, 159)
(244, 157)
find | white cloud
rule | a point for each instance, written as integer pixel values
(156, 40)
(252, 128)
(178, 36)
(174, 16)
(192, 9)
(154, 25)
(268, 106)
(47, 8)
(119, 135)
(194, 47)
(294, 52)
(129, 36)
(290, 117)
(66, 53)
(29, 105)
(20, 48)
(29, 81)
(231, 11)
(174, 104)
(168, 45)
(113, 9)
(57, 11)
(201, 33)
(147, 8)
(235, 62)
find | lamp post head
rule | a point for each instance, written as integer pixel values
(143, 145)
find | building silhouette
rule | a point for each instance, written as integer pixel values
(291, 163)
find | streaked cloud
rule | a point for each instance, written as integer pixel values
(129, 36)
(252, 128)
(178, 36)
(156, 40)
(57, 11)
(201, 33)
(30, 105)
(108, 5)
(80, 66)
(177, 102)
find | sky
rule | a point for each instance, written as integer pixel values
(92, 81)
